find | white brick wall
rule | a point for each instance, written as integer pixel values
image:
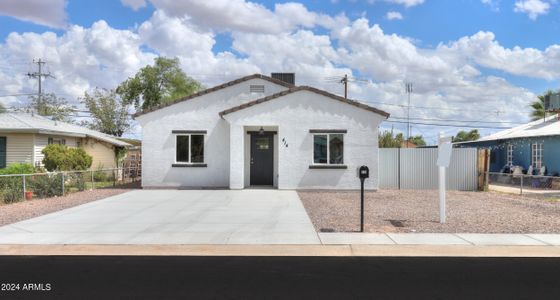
(294, 115)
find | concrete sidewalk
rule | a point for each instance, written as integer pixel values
(466, 239)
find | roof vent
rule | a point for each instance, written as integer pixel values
(286, 77)
(256, 88)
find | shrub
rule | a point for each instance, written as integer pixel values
(61, 158)
(99, 174)
(18, 168)
(11, 188)
(47, 185)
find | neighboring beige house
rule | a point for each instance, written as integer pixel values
(24, 136)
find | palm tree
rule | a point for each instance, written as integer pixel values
(538, 107)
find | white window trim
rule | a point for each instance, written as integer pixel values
(328, 150)
(509, 155)
(190, 149)
(537, 155)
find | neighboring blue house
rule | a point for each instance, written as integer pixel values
(536, 143)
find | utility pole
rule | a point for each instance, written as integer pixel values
(39, 75)
(344, 81)
(408, 91)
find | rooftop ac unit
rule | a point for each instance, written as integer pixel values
(552, 102)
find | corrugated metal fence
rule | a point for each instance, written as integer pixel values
(415, 168)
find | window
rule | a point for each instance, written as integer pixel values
(328, 148)
(256, 88)
(190, 148)
(58, 141)
(537, 155)
(509, 155)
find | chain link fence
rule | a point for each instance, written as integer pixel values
(16, 187)
(524, 184)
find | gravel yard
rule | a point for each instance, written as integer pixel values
(417, 211)
(15, 212)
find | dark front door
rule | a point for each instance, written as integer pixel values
(262, 161)
(2, 151)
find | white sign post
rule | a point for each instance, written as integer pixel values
(444, 157)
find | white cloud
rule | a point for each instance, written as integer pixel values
(483, 49)
(246, 16)
(80, 59)
(493, 4)
(49, 13)
(134, 4)
(393, 15)
(406, 3)
(446, 77)
(533, 8)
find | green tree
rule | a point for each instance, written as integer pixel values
(109, 113)
(388, 140)
(62, 158)
(464, 136)
(156, 84)
(52, 106)
(538, 107)
(2, 108)
(417, 140)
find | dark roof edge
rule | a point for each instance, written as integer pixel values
(213, 89)
(305, 88)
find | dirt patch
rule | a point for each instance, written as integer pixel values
(19, 211)
(417, 211)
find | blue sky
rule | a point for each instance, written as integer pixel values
(500, 50)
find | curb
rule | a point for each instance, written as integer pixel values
(283, 250)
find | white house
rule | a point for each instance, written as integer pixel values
(260, 131)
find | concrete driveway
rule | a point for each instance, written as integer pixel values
(173, 217)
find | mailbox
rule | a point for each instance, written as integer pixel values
(363, 172)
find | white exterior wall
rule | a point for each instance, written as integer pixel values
(200, 113)
(42, 140)
(19, 147)
(295, 114)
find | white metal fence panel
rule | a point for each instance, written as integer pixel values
(415, 168)
(388, 167)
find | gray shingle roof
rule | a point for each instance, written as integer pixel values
(309, 89)
(27, 123)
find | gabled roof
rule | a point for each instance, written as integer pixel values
(27, 123)
(213, 89)
(305, 88)
(548, 126)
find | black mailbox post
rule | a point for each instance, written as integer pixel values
(363, 173)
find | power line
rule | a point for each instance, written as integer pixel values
(458, 120)
(449, 125)
(16, 95)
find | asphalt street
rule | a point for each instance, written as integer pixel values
(191, 277)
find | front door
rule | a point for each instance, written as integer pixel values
(262, 161)
(2, 152)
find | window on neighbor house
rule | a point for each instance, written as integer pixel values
(328, 148)
(509, 155)
(537, 155)
(190, 148)
(58, 141)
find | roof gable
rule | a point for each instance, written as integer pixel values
(214, 89)
(304, 88)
